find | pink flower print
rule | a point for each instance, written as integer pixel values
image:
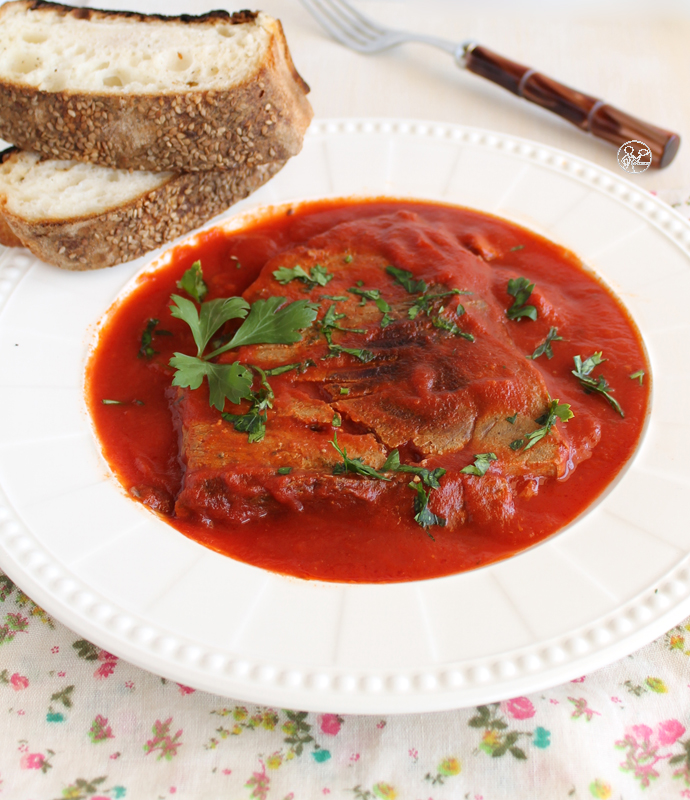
(227, 771)
(330, 724)
(185, 689)
(55, 649)
(173, 789)
(18, 682)
(61, 674)
(326, 791)
(31, 761)
(582, 709)
(553, 701)
(615, 700)
(640, 732)
(105, 670)
(355, 757)
(578, 680)
(519, 708)
(668, 732)
(129, 684)
(381, 724)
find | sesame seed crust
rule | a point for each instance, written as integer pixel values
(185, 202)
(260, 120)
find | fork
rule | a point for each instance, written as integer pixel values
(358, 32)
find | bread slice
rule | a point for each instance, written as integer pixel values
(81, 216)
(149, 92)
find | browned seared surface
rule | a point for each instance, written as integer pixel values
(431, 393)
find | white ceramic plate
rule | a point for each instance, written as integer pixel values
(115, 573)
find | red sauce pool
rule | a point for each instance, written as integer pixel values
(141, 445)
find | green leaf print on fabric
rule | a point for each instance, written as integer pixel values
(168, 745)
(86, 650)
(645, 748)
(382, 791)
(297, 730)
(82, 789)
(497, 739)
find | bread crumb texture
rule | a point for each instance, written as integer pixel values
(146, 92)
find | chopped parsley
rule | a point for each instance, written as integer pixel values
(482, 462)
(545, 347)
(422, 514)
(517, 247)
(554, 412)
(344, 390)
(193, 282)
(583, 372)
(348, 259)
(253, 422)
(407, 280)
(355, 465)
(113, 402)
(146, 348)
(375, 296)
(451, 327)
(358, 352)
(512, 419)
(424, 303)
(428, 477)
(317, 276)
(520, 289)
(638, 376)
(284, 470)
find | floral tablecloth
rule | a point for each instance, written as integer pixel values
(77, 722)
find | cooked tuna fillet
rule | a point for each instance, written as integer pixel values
(437, 382)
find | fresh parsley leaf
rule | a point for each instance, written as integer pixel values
(516, 444)
(639, 376)
(355, 465)
(336, 422)
(386, 320)
(358, 352)
(582, 372)
(329, 323)
(424, 303)
(451, 327)
(284, 368)
(407, 280)
(146, 349)
(512, 419)
(422, 514)
(428, 477)
(344, 390)
(252, 423)
(317, 276)
(335, 297)
(193, 283)
(520, 289)
(284, 470)
(517, 247)
(348, 259)
(113, 402)
(545, 347)
(372, 294)
(225, 381)
(482, 462)
(554, 412)
(267, 323)
(213, 316)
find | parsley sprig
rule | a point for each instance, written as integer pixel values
(317, 275)
(425, 302)
(451, 327)
(146, 344)
(355, 465)
(545, 347)
(265, 322)
(554, 412)
(520, 289)
(482, 462)
(583, 372)
(375, 296)
(193, 283)
(253, 422)
(407, 280)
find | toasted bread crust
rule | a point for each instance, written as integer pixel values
(220, 15)
(261, 120)
(186, 201)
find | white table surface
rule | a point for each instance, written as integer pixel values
(632, 54)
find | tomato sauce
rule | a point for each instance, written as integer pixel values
(140, 441)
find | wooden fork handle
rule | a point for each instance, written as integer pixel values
(586, 112)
